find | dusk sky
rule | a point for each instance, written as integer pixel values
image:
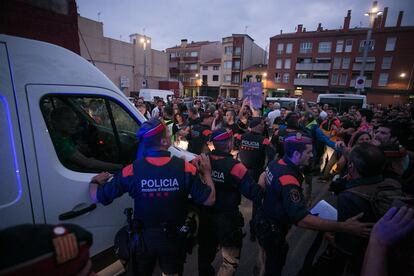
(169, 21)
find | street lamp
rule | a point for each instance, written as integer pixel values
(373, 13)
(144, 41)
(402, 75)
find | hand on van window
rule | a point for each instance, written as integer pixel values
(101, 178)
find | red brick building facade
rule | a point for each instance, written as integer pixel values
(308, 63)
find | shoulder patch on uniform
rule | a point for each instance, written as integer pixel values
(128, 171)
(266, 141)
(281, 162)
(294, 195)
(288, 180)
(206, 132)
(239, 170)
(189, 168)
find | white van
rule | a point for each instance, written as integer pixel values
(40, 84)
(288, 103)
(150, 94)
(342, 102)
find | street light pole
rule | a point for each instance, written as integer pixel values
(144, 40)
(372, 15)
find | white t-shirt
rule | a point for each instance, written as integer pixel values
(323, 115)
(271, 116)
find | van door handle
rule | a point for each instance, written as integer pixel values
(73, 214)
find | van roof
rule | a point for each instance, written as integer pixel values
(37, 62)
(281, 99)
(342, 96)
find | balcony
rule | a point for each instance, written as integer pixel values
(368, 67)
(313, 66)
(311, 82)
(368, 83)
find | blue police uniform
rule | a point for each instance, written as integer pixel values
(221, 224)
(283, 205)
(160, 186)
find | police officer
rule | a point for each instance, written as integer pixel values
(284, 205)
(291, 126)
(254, 148)
(221, 224)
(160, 186)
(200, 134)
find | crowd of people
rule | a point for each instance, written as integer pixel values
(271, 156)
(359, 153)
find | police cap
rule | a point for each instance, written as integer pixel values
(150, 128)
(221, 134)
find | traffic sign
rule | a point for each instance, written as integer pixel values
(360, 82)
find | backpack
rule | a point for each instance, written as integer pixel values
(383, 196)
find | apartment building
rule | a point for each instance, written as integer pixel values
(238, 53)
(128, 65)
(210, 77)
(308, 63)
(256, 73)
(185, 61)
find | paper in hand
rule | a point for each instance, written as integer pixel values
(325, 210)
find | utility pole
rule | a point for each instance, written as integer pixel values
(373, 13)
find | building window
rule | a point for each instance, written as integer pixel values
(237, 51)
(215, 78)
(334, 79)
(305, 47)
(227, 64)
(248, 77)
(280, 48)
(370, 45)
(286, 78)
(216, 67)
(348, 46)
(236, 65)
(173, 55)
(278, 77)
(337, 63)
(228, 50)
(383, 79)
(343, 79)
(386, 63)
(236, 78)
(279, 63)
(205, 78)
(339, 46)
(289, 48)
(390, 46)
(205, 67)
(193, 66)
(287, 63)
(302, 75)
(345, 62)
(325, 47)
(194, 54)
(227, 78)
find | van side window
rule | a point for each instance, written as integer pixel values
(90, 134)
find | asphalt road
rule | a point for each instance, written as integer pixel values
(299, 241)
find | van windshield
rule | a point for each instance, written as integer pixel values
(342, 104)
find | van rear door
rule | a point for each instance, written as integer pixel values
(15, 205)
(92, 122)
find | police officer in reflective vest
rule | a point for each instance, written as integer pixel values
(284, 205)
(221, 224)
(160, 186)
